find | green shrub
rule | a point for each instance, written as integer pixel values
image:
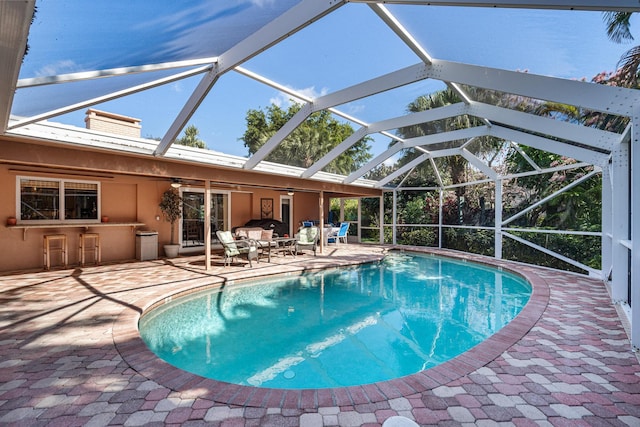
(473, 241)
(417, 237)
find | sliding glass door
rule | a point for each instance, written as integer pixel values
(192, 222)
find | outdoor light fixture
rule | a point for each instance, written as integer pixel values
(290, 191)
(175, 182)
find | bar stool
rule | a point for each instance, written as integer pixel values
(84, 237)
(48, 248)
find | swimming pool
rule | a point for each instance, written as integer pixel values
(337, 327)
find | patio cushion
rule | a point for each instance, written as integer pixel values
(229, 245)
(254, 234)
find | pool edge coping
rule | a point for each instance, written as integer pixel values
(137, 355)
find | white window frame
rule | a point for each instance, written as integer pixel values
(61, 201)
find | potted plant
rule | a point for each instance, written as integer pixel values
(171, 207)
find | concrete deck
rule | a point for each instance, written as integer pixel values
(71, 355)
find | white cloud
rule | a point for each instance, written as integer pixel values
(356, 108)
(284, 100)
(60, 67)
(262, 3)
(390, 161)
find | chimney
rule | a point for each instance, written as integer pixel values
(112, 123)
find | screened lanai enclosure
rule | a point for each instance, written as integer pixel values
(484, 133)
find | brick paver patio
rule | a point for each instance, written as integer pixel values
(71, 355)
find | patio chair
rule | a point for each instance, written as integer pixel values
(236, 248)
(341, 234)
(307, 238)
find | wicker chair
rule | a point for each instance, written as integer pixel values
(307, 238)
(237, 248)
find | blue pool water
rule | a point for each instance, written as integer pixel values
(338, 327)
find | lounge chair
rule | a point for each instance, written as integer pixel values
(307, 238)
(341, 234)
(236, 248)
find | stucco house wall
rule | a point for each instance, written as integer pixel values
(118, 200)
(130, 186)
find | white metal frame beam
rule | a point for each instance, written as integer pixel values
(524, 155)
(596, 138)
(602, 98)
(112, 72)
(335, 152)
(596, 5)
(579, 153)
(282, 88)
(635, 227)
(109, 97)
(362, 90)
(550, 252)
(419, 141)
(550, 197)
(277, 137)
(617, 217)
(479, 164)
(556, 147)
(546, 170)
(606, 242)
(565, 91)
(404, 35)
(296, 94)
(188, 109)
(400, 31)
(385, 125)
(255, 159)
(436, 172)
(497, 219)
(406, 168)
(290, 22)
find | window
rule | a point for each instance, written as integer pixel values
(58, 200)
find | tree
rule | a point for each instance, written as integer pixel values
(190, 138)
(309, 142)
(575, 209)
(171, 207)
(454, 168)
(619, 31)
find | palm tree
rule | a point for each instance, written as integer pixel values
(454, 165)
(191, 138)
(619, 30)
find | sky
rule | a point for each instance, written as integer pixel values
(348, 46)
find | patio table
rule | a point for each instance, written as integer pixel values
(282, 245)
(329, 231)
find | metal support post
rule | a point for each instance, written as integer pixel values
(498, 220)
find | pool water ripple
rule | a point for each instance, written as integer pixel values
(337, 327)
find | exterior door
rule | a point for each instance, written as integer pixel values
(286, 212)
